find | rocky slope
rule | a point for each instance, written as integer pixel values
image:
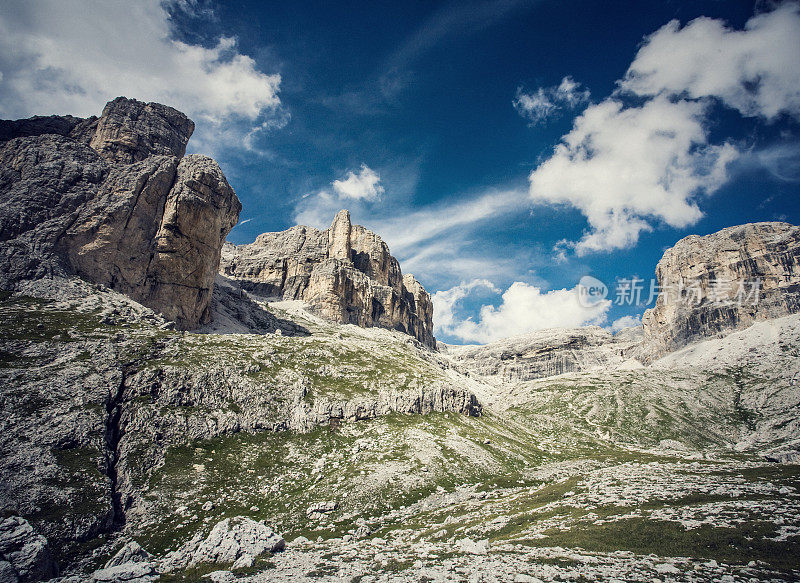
(115, 201)
(700, 279)
(345, 274)
(96, 390)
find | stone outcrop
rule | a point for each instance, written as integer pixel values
(233, 541)
(306, 416)
(544, 353)
(345, 274)
(115, 201)
(24, 555)
(722, 282)
(130, 131)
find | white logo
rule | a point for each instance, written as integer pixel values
(591, 291)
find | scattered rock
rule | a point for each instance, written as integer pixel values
(467, 545)
(667, 569)
(126, 573)
(318, 510)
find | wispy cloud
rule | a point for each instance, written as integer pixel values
(454, 20)
(410, 229)
(546, 102)
(445, 24)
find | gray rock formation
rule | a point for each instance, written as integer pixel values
(544, 353)
(707, 284)
(24, 555)
(131, 552)
(305, 416)
(237, 541)
(345, 274)
(122, 208)
(95, 391)
(126, 573)
(130, 131)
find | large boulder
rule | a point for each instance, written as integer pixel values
(123, 208)
(721, 282)
(345, 274)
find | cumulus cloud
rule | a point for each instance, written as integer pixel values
(362, 186)
(71, 56)
(548, 101)
(524, 308)
(444, 302)
(625, 167)
(755, 71)
(356, 192)
(628, 167)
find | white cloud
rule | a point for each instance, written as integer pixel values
(362, 186)
(625, 322)
(71, 56)
(524, 308)
(547, 101)
(625, 167)
(755, 71)
(444, 302)
(356, 192)
(629, 168)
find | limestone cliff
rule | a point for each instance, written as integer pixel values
(115, 201)
(722, 282)
(344, 273)
(545, 353)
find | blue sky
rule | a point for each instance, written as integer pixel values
(503, 149)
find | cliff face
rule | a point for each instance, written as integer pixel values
(344, 273)
(721, 282)
(115, 201)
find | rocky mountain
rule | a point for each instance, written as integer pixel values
(546, 353)
(115, 201)
(344, 273)
(722, 282)
(306, 430)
